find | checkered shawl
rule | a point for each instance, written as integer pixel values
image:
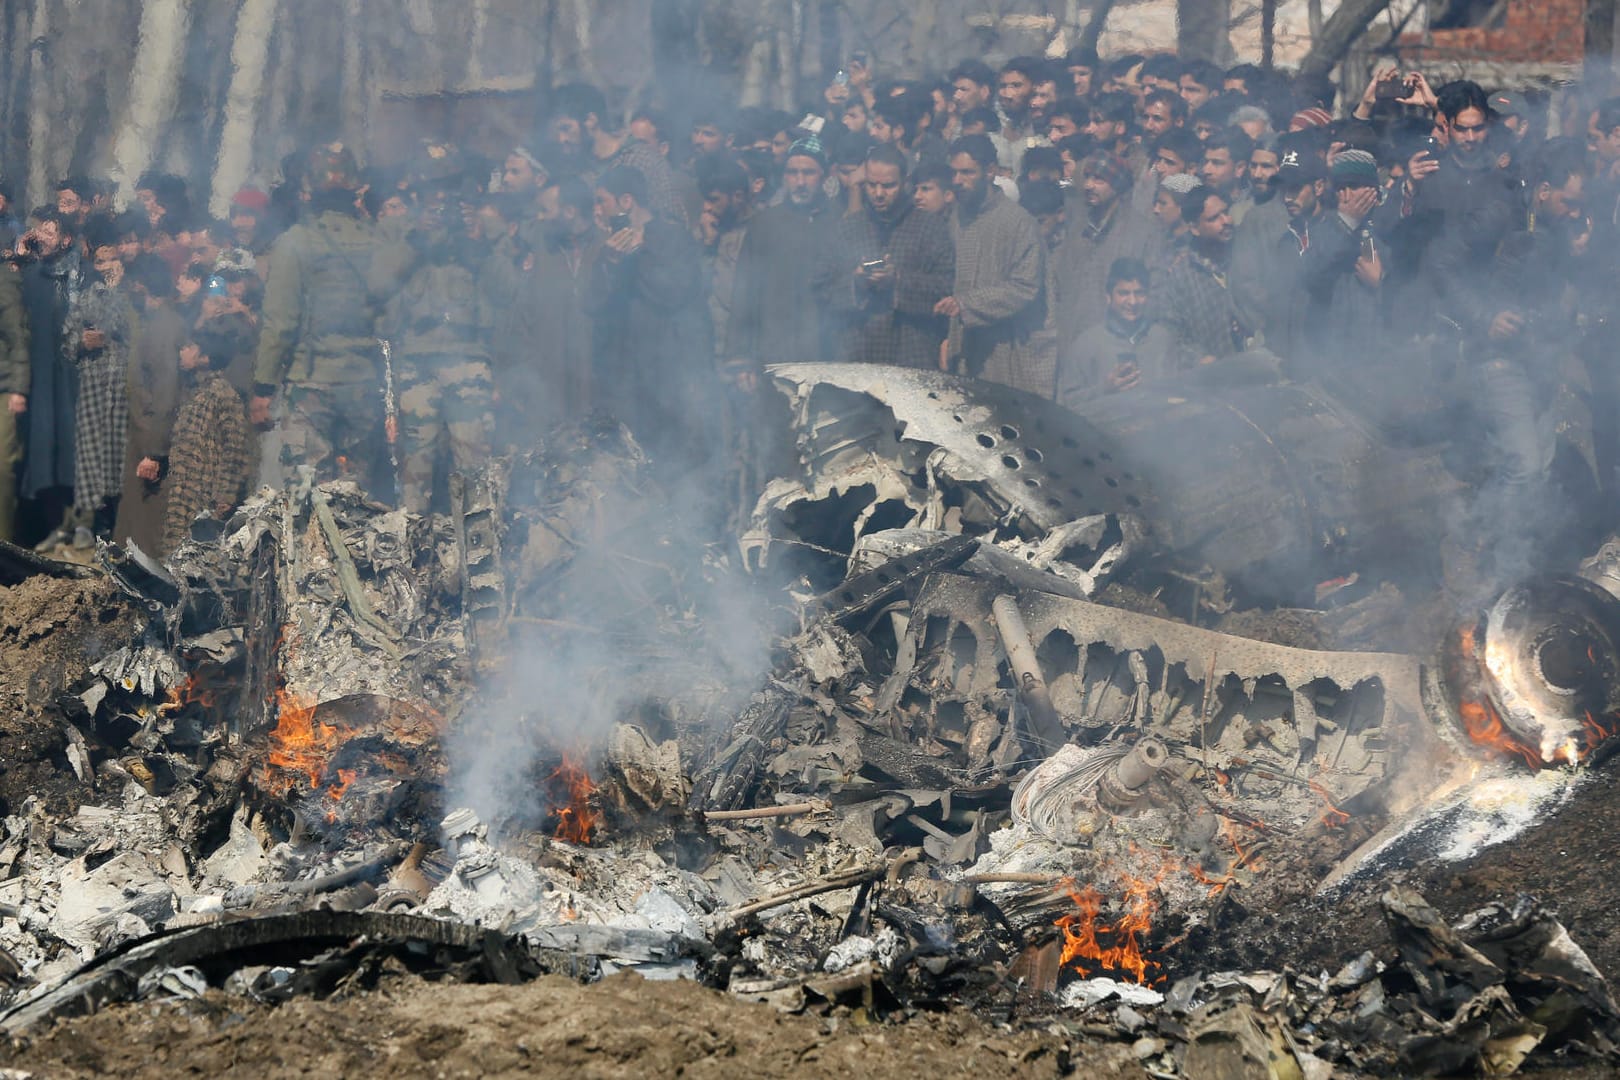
(208, 458)
(101, 416)
(897, 325)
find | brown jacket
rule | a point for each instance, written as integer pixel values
(154, 398)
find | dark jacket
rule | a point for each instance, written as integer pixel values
(776, 314)
(541, 349)
(653, 354)
(1450, 233)
(48, 288)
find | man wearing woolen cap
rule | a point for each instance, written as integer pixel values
(1340, 268)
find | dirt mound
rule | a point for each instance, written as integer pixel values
(51, 631)
(623, 1026)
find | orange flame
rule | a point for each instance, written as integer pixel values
(1481, 720)
(299, 744)
(1243, 856)
(1597, 732)
(191, 692)
(1332, 817)
(1084, 931)
(1485, 727)
(570, 783)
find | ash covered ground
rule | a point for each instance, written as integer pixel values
(928, 772)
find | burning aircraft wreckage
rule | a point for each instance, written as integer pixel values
(1054, 711)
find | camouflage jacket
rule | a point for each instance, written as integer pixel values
(319, 317)
(14, 371)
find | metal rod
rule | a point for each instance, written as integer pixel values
(1031, 685)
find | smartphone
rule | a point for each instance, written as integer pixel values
(1390, 89)
(842, 78)
(1431, 144)
(1367, 248)
(618, 222)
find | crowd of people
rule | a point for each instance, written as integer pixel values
(1070, 226)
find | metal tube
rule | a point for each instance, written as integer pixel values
(1048, 727)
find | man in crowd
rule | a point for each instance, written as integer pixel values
(654, 357)
(776, 312)
(1198, 306)
(318, 348)
(998, 300)
(1123, 351)
(439, 320)
(1110, 229)
(895, 264)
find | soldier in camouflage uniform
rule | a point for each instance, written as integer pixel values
(438, 321)
(318, 348)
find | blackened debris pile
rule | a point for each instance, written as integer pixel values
(988, 765)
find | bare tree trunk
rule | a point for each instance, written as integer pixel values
(39, 102)
(787, 54)
(1313, 19)
(1201, 29)
(249, 51)
(154, 82)
(355, 105)
(1340, 32)
(1268, 34)
(756, 71)
(1094, 28)
(582, 34)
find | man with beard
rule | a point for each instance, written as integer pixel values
(1459, 206)
(52, 279)
(895, 264)
(1046, 94)
(1162, 111)
(973, 84)
(1200, 81)
(1015, 88)
(586, 147)
(522, 179)
(775, 312)
(1110, 230)
(1225, 168)
(1255, 237)
(1277, 294)
(541, 349)
(1198, 306)
(998, 301)
(727, 206)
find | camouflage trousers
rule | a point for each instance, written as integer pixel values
(446, 404)
(336, 430)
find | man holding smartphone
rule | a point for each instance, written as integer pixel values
(1327, 280)
(896, 264)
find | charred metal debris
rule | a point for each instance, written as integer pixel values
(1045, 710)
